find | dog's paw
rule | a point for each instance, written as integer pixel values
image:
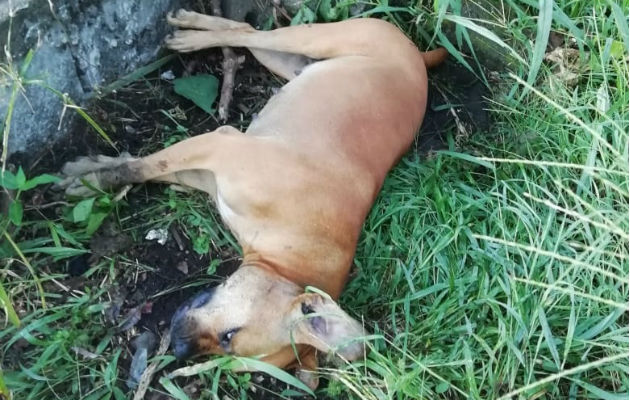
(192, 20)
(188, 41)
(80, 186)
(183, 19)
(82, 177)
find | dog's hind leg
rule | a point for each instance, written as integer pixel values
(359, 37)
(194, 20)
(286, 65)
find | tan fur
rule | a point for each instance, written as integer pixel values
(297, 186)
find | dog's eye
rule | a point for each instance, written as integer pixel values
(306, 309)
(226, 337)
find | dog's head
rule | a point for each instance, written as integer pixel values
(257, 313)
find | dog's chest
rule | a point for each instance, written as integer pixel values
(227, 213)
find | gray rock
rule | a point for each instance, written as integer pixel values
(79, 46)
(36, 117)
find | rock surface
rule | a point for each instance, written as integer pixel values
(78, 46)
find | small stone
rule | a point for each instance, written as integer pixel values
(183, 267)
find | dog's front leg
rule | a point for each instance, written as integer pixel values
(180, 163)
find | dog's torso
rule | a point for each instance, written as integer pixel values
(324, 144)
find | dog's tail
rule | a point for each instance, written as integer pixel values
(435, 57)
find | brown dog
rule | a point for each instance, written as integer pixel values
(295, 188)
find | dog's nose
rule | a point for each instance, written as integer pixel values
(183, 347)
(183, 326)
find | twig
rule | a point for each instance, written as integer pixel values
(47, 205)
(277, 8)
(147, 375)
(230, 64)
(461, 128)
(122, 192)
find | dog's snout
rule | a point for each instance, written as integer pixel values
(183, 326)
(202, 298)
(199, 300)
(183, 347)
(181, 333)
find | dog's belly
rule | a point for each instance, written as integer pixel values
(354, 106)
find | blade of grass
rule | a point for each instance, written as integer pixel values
(551, 343)
(454, 52)
(467, 157)
(68, 103)
(621, 20)
(570, 331)
(173, 390)
(543, 27)
(570, 290)
(4, 391)
(568, 114)
(28, 266)
(271, 370)
(15, 88)
(562, 374)
(7, 122)
(8, 306)
(600, 393)
(578, 216)
(551, 254)
(543, 164)
(199, 368)
(89, 120)
(563, 19)
(485, 32)
(135, 75)
(383, 9)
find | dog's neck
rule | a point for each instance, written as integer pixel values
(300, 274)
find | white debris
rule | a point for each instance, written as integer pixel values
(167, 75)
(161, 235)
(603, 99)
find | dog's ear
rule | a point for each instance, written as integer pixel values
(318, 321)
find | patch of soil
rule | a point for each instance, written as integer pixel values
(140, 119)
(456, 99)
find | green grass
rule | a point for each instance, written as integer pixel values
(498, 269)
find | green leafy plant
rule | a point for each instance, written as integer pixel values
(92, 212)
(20, 184)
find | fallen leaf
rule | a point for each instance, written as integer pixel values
(567, 65)
(200, 89)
